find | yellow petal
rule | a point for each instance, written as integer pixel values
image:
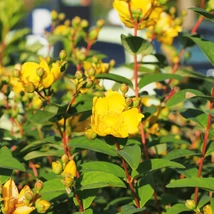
(23, 210)
(9, 205)
(44, 65)
(132, 118)
(10, 190)
(70, 169)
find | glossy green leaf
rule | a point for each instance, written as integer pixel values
(94, 180)
(177, 208)
(7, 161)
(206, 46)
(149, 78)
(145, 189)
(37, 154)
(135, 44)
(103, 166)
(53, 189)
(116, 78)
(203, 183)
(182, 96)
(96, 145)
(130, 209)
(178, 153)
(155, 164)
(131, 154)
(203, 12)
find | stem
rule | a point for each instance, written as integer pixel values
(128, 177)
(206, 138)
(79, 203)
(136, 76)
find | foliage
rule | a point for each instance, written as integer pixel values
(68, 145)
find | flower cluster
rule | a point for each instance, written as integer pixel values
(112, 116)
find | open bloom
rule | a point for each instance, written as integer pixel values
(15, 202)
(40, 75)
(110, 117)
(144, 13)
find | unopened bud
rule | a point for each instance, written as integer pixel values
(54, 15)
(80, 56)
(40, 71)
(93, 34)
(89, 83)
(67, 22)
(64, 158)
(190, 204)
(68, 181)
(61, 16)
(42, 205)
(76, 21)
(207, 209)
(100, 23)
(29, 195)
(90, 134)
(112, 63)
(78, 75)
(62, 54)
(70, 169)
(136, 102)
(129, 101)
(91, 72)
(39, 185)
(48, 59)
(124, 88)
(57, 167)
(84, 23)
(29, 87)
(172, 10)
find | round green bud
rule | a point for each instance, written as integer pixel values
(124, 88)
(54, 15)
(136, 102)
(29, 87)
(93, 34)
(40, 71)
(67, 22)
(61, 16)
(64, 158)
(75, 21)
(62, 54)
(90, 134)
(89, 83)
(91, 72)
(100, 23)
(78, 75)
(84, 23)
(29, 195)
(57, 167)
(190, 204)
(128, 101)
(39, 185)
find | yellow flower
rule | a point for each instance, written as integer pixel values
(144, 13)
(15, 202)
(62, 30)
(166, 28)
(110, 117)
(42, 205)
(40, 75)
(207, 209)
(70, 169)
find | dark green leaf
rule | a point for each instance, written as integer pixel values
(178, 153)
(7, 161)
(94, 145)
(210, 148)
(103, 167)
(116, 78)
(203, 12)
(135, 44)
(203, 183)
(96, 179)
(149, 78)
(87, 197)
(88, 211)
(131, 154)
(5, 174)
(130, 209)
(177, 208)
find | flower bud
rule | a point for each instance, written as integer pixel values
(100, 23)
(29, 195)
(42, 205)
(29, 87)
(54, 15)
(129, 101)
(124, 88)
(61, 16)
(57, 167)
(190, 204)
(95, 59)
(89, 83)
(48, 59)
(84, 23)
(112, 63)
(91, 72)
(62, 54)
(64, 158)
(90, 134)
(136, 102)
(207, 209)
(67, 22)
(68, 181)
(93, 34)
(40, 71)
(70, 169)
(38, 185)
(78, 75)
(80, 56)
(172, 10)
(75, 21)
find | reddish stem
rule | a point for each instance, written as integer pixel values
(33, 167)
(128, 177)
(206, 138)
(79, 203)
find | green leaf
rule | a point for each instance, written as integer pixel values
(130, 209)
(135, 44)
(188, 172)
(177, 208)
(103, 166)
(5, 174)
(96, 145)
(212, 204)
(149, 78)
(203, 183)
(210, 148)
(116, 78)
(206, 46)
(53, 189)
(145, 189)
(182, 96)
(131, 154)
(203, 12)
(37, 154)
(7, 161)
(178, 153)
(88, 211)
(94, 180)
(17, 35)
(155, 164)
